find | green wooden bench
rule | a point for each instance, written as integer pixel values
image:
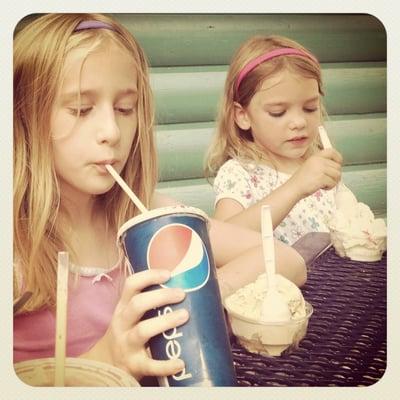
(189, 56)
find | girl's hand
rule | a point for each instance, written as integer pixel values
(321, 171)
(124, 344)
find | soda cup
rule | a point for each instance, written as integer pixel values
(176, 238)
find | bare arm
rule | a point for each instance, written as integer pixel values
(250, 264)
(238, 253)
(321, 171)
(239, 257)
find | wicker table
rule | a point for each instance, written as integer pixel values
(345, 343)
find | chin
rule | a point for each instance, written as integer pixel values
(99, 189)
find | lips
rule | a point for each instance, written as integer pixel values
(105, 162)
(101, 165)
(298, 139)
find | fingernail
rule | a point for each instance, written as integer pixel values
(165, 274)
(179, 364)
(179, 293)
(182, 314)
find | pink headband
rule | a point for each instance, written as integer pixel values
(92, 24)
(284, 51)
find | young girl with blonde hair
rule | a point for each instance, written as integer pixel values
(266, 149)
(82, 100)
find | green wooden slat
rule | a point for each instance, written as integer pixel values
(359, 138)
(368, 183)
(191, 94)
(211, 39)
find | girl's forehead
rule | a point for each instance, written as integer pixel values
(106, 49)
(285, 79)
(87, 62)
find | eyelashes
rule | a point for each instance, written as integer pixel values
(84, 111)
(281, 113)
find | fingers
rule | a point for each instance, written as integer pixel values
(162, 367)
(140, 280)
(167, 321)
(333, 170)
(331, 154)
(142, 302)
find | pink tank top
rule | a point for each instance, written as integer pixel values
(91, 303)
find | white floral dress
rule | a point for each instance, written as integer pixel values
(250, 183)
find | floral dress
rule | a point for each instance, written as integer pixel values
(248, 183)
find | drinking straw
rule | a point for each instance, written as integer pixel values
(61, 317)
(126, 188)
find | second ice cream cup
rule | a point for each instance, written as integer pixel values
(357, 247)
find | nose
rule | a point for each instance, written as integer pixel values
(108, 130)
(298, 121)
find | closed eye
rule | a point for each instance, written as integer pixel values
(311, 110)
(276, 114)
(80, 112)
(124, 111)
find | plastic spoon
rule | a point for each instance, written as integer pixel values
(126, 189)
(326, 144)
(274, 308)
(61, 317)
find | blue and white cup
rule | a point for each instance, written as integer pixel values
(176, 238)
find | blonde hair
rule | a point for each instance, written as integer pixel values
(230, 141)
(40, 49)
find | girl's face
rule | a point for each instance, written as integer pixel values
(283, 116)
(100, 127)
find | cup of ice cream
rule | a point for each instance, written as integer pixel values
(355, 232)
(78, 372)
(269, 338)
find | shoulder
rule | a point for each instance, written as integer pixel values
(162, 200)
(233, 167)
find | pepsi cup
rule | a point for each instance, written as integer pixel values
(176, 238)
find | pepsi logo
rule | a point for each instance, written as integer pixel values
(180, 249)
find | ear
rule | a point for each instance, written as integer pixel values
(241, 117)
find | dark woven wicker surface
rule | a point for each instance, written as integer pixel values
(345, 343)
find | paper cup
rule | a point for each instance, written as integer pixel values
(357, 248)
(78, 372)
(269, 338)
(176, 238)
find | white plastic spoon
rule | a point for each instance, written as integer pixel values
(61, 317)
(275, 307)
(326, 144)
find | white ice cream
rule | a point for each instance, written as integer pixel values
(271, 338)
(248, 300)
(355, 231)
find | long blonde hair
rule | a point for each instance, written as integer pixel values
(229, 140)
(40, 49)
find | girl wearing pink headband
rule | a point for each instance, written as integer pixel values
(266, 149)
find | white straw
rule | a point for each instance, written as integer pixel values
(61, 317)
(326, 143)
(126, 189)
